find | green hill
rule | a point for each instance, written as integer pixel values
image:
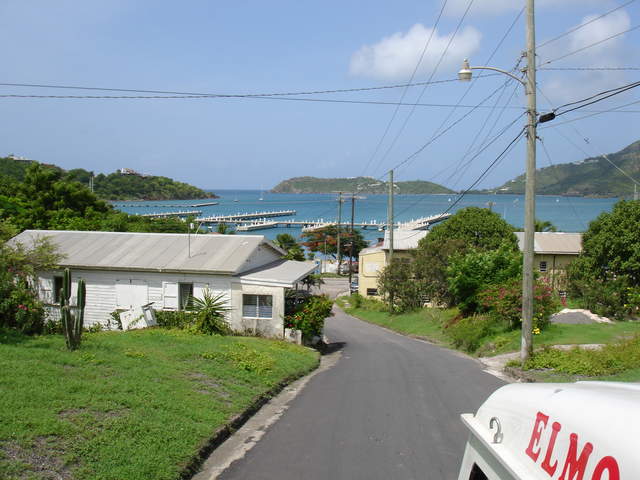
(355, 184)
(115, 186)
(593, 176)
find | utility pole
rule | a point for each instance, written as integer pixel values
(635, 191)
(353, 210)
(338, 227)
(390, 216)
(526, 348)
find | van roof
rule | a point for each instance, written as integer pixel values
(547, 421)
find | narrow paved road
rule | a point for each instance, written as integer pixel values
(388, 410)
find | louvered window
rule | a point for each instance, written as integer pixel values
(257, 306)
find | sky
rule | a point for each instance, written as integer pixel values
(256, 47)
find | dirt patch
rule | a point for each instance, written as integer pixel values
(73, 414)
(43, 459)
(208, 386)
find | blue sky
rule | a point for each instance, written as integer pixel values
(285, 46)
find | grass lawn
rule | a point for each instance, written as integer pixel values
(428, 323)
(425, 323)
(135, 405)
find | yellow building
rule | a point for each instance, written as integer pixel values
(553, 251)
(374, 259)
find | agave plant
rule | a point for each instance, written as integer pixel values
(210, 313)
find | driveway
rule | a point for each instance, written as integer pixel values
(389, 409)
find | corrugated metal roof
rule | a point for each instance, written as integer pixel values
(150, 251)
(554, 242)
(404, 239)
(283, 272)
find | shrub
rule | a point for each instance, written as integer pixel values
(356, 300)
(398, 282)
(614, 298)
(612, 359)
(310, 316)
(504, 302)
(210, 314)
(181, 319)
(469, 274)
(467, 333)
(20, 308)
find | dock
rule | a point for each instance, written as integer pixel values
(179, 214)
(238, 217)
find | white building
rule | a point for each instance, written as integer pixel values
(127, 270)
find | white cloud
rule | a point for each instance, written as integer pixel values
(611, 53)
(395, 57)
(496, 7)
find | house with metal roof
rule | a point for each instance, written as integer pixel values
(553, 251)
(374, 259)
(124, 271)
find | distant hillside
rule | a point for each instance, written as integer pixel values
(593, 176)
(115, 186)
(355, 184)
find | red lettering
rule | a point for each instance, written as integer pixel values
(573, 464)
(610, 465)
(546, 465)
(539, 425)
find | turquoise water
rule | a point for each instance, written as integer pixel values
(569, 214)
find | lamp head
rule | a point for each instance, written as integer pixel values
(464, 75)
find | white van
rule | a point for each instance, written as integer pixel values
(579, 431)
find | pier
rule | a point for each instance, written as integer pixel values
(238, 217)
(179, 214)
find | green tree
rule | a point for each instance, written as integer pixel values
(607, 272)
(325, 240)
(397, 281)
(469, 274)
(471, 228)
(544, 226)
(288, 243)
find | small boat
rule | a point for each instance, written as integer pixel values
(235, 199)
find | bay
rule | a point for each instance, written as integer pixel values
(568, 214)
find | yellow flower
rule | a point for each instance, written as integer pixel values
(536, 331)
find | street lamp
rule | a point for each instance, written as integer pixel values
(465, 75)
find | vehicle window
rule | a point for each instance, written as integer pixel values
(477, 473)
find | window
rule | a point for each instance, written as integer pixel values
(372, 292)
(562, 293)
(477, 473)
(543, 266)
(257, 306)
(57, 289)
(185, 292)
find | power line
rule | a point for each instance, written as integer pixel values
(611, 110)
(395, 112)
(551, 164)
(591, 69)
(578, 27)
(317, 100)
(234, 95)
(433, 72)
(596, 98)
(590, 45)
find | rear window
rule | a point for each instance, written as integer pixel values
(477, 473)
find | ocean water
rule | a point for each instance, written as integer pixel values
(568, 214)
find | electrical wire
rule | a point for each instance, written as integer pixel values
(552, 169)
(291, 99)
(589, 46)
(611, 110)
(590, 69)
(582, 105)
(395, 112)
(433, 72)
(578, 27)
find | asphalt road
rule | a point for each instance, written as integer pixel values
(389, 409)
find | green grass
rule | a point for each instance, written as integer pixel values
(426, 323)
(128, 405)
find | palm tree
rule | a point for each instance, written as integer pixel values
(545, 226)
(224, 229)
(210, 312)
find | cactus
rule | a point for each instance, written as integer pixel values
(72, 322)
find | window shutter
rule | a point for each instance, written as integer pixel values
(198, 290)
(123, 294)
(45, 289)
(170, 295)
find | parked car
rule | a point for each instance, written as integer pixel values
(353, 288)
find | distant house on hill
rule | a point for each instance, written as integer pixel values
(127, 270)
(374, 259)
(553, 251)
